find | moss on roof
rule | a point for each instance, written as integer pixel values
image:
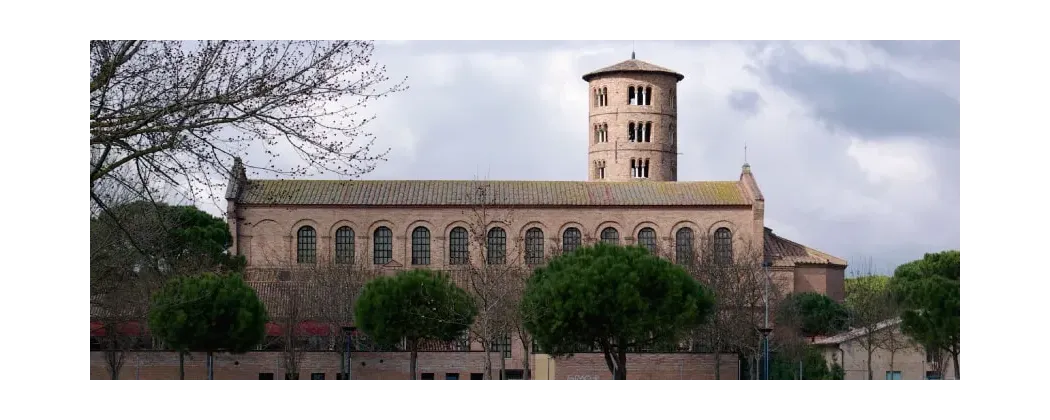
(511, 193)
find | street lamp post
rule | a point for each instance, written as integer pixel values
(765, 352)
(765, 329)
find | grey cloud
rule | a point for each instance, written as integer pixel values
(926, 50)
(874, 103)
(746, 101)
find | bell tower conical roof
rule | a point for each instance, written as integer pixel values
(632, 66)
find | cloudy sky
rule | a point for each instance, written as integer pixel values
(855, 145)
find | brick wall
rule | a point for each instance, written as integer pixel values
(165, 365)
(645, 366)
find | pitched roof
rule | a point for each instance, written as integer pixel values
(306, 301)
(855, 333)
(781, 251)
(507, 193)
(632, 65)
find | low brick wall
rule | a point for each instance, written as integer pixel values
(394, 365)
(668, 366)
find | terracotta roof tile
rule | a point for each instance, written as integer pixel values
(632, 65)
(781, 251)
(521, 193)
(313, 301)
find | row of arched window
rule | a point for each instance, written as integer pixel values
(636, 95)
(639, 95)
(641, 132)
(495, 251)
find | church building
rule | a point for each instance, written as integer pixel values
(632, 195)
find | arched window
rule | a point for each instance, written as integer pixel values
(671, 134)
(647, 238)
(723, 246)
(630, 131)
(683, 245)
(597, 98)
(605, 96)
(570, 240)
(420, 246)
(497, 246)
(610, 236)
(458, 247)
(671, 99)
(648, 131)
(648, 95)
(605, 133)
(382, 246)
(534, 246)
(306, 245)
(344, 245)
(597, 134)
(630, 95)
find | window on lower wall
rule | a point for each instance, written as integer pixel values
(265, 376)
(427, 376)
(514, 374)
(501, 345)
(477, 376)
(933, 375)
(342, 376)
(290, 377)
(893, 375)
(451, 376)
(316, 376)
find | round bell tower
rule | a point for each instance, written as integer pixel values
(632, 122)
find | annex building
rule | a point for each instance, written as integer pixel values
(632, 195)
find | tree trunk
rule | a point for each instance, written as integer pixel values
(502, 366)
(486, 346)
(718, 364)
(211, 367)
(412, 358)
(955, 363)
(182, 366)
(607, 352)
(870, 374)
(622, 368)
(342, 361)
(525, 364)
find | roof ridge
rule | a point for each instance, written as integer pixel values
(632, 182)
(512, 193)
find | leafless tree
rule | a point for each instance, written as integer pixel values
(311, 304)
(493, 281)
(893, 341)
(741, 288)
(170, 116)
(123, 308)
